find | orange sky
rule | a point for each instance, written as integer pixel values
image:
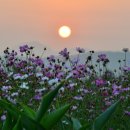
(96, 24)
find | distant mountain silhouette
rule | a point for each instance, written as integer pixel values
(112, 56)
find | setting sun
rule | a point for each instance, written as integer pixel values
(64, 31)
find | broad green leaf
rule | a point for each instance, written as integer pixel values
(28, 111)
(86, 127)
(10, 108)
(26, 121)
(76, 124)
(8, 122)
(103, 118)
(30, 124)
(18, 125)
(51, 119)
(46, 101)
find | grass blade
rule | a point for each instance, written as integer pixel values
(26, 121)
(8, 122)
(76, 124)
(50, 120)
(18, 125)
(28, 111)
(103, 118)
(46, 101)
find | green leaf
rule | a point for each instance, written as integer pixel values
(10, 108)
(103, 118)
(86, 127)
(26, 121)
(76, 124)
(51, 119)
(30, 124)
(8, 122)
(28, 111)
(46, 101)
(18, 125)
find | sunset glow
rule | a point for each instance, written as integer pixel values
(95, 24)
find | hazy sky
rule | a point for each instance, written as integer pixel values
(95, 24)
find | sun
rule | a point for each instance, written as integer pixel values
(64, 31)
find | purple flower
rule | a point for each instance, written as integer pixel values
(100, 82)
(3, 117)
(6, 88)
(24, 48)
(17, 76)
(102, 57)
(116, 89)
(80, 50)
(38, 61)
(60, 75)
(81, 67)
(71, 86)
(21, 64)
(51, 58)
(78, 97)
(64, 53)
(126, 68)
(38, 97)
(76, 74)
(127, 113)
(126, 89)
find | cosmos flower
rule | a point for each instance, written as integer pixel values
(116, 89)
(125, 49)
(38, 61)
(3, 117)
(24, 85)
(79, 98)
(39, 74)
(100, 82)
(102, 57)
(80, 50)
(53, 81)
(51, 58)
(6, 88)
(20, 76)
(64, 53)
(127, 113)
(38, 97)
(24, 48)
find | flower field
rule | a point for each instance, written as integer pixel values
(86, 90)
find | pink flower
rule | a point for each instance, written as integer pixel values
(100, 82)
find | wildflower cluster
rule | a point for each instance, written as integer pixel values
(25, 77)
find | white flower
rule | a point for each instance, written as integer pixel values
(17, 76)
(20, 76)
(24, 85)
(24, 76)
(45, 78)
(52, 81)
(62, 89)
(11, 100)
(14, 94)
(39, 74)
(40, 90)
(6, 88)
